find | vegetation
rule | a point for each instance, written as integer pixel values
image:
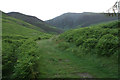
(20, 57)
(97, 43)
(29, 53)
(103, 38)
(12, 26)
(63, 63)
(19, 50)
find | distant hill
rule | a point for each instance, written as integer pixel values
(75, 20)
(13, 26)
(35, 21)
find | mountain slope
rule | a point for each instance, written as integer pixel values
(35, 21)
(12, 26)
(72, 20)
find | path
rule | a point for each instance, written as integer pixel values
(58, 64)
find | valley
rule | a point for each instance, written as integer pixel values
(35, 49)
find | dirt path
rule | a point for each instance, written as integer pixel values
(58, 64)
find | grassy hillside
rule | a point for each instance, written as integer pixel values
(103, 37)
(72, 20)
(19, 51)
(12, 26)
(36, 22)
(30, 54)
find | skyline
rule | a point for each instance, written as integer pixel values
(48, 9)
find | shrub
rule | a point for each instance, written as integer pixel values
(9, 55)
(90, 43)
(27, 61)
(100, 39)
(19, 58)
(107, 45)
(79, 41)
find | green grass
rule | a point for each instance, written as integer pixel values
(36, 22)
(26, 54)
(19, 51)
(12, 26)
(56, 63)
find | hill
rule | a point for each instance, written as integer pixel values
(29, 54)
(12, 26)
(75, 20)
(19, 49)
(102, 38)
(35, 21)
(96, 46)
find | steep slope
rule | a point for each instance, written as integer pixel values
(35, 21)
(72, 20)
(12, 26)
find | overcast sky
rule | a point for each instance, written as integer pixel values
(48, 9)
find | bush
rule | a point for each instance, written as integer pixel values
(19, 58)
(107, 45)
(79, 41)
(9, 55)
(90, 43)
(100, 39)
(27, 61)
